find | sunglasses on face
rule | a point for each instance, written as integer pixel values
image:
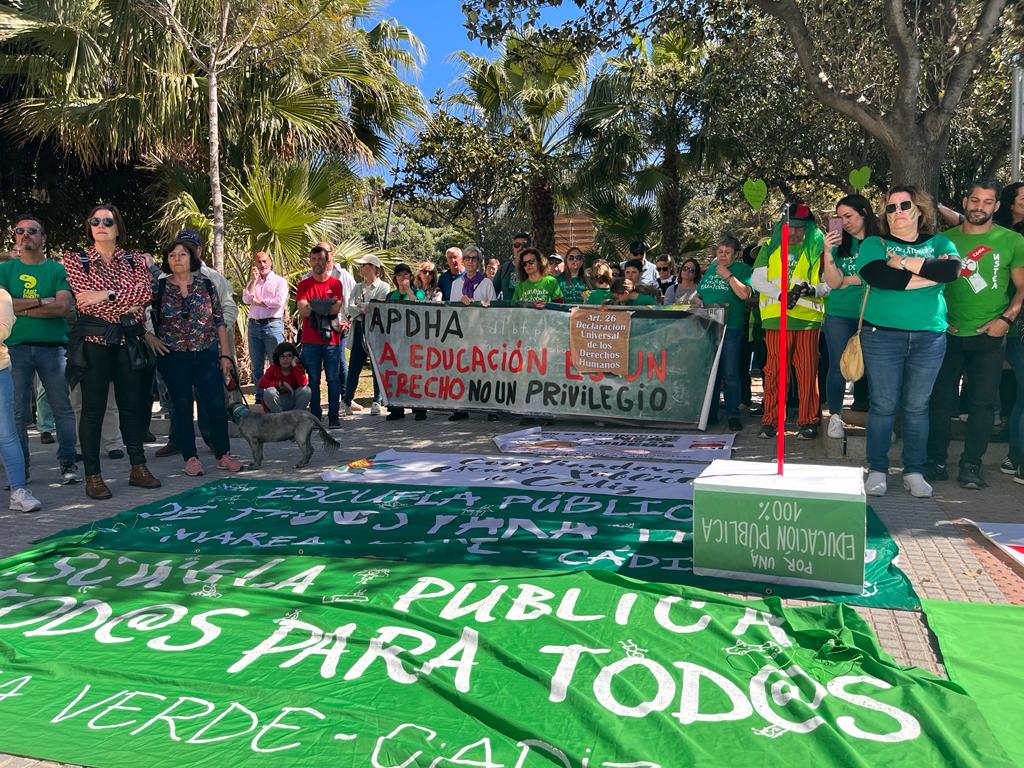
(318, 249)
(687, 269)
(664, 269)
(519, 245)
(906, 205)
(106, 221)
(26, 230)
(575, 258)
(426, 271)
(528, 262)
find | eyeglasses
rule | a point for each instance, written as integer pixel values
(106, 221)
(26, 230)
(426, 271)
(906, 205)
(471, 258)
(528, 262)
(664, 269)
(318, 249)
(519, 245)
(687, 269)
(574, 258)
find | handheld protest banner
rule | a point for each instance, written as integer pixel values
(780, 437)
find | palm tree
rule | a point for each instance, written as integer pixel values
(530, 91)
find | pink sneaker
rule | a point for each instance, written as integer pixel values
(229, 463)
(193, 468)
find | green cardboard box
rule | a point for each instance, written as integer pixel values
(805, 528)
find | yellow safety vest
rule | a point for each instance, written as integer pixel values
(811, 310)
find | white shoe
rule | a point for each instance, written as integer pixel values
(876, 484)
(375, 409)
(916, 484)
(22, 500)
(835, 427)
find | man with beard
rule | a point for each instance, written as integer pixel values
(980, 312)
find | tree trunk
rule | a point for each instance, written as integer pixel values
(669, 203)
(216, 196)
(542, 215)
(917, 155)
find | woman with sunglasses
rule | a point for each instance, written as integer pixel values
(839, 268)
(684, 290)
(573, 280)
(904, 334)
(666, 269)
(425, 281)
(106, 344)
(535, 285)
(191, 342)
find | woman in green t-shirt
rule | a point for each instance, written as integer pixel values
(904, 335)
(601, 279)
(839, 269)
(727, 281)
(573, 280)
(535, 285)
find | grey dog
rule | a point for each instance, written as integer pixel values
(258, 427)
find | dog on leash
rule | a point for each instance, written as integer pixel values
(259, 427)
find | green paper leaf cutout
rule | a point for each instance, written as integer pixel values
(860, 177)
(755, 191)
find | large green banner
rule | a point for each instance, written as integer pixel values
(517, 359)
(645, 538)
(128, 658)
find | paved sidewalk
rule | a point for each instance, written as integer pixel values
(943, 560)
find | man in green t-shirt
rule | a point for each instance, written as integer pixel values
(979, 314)
(38, 342)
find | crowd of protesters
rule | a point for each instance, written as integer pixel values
(940, 314)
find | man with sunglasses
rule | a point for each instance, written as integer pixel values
(507, 278)
(38, 342)
(979, 313)
(648, 273)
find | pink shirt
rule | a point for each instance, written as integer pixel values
(272, 291)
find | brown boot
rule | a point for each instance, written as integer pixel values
(141, 477)
(166, 450)
(95, 488)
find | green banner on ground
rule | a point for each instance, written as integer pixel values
(517, 359)
(128, 658)
(982, 651)
(645, 538)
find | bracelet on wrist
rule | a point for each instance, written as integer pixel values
(1006, 320)
(227, 357)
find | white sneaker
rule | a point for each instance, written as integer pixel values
(835, 427)
(346, 410)
(916, 484)
(375, 409)
(876, 484)
(22, 500)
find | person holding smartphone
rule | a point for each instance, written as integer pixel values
(854, 221)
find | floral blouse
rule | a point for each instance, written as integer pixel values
(189, 323)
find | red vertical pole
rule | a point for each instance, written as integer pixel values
(780, 438)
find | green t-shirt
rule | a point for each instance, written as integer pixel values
(573, 288)
(641, 300)
(545, 289)
(920, 309)
(31, 281)
(845, 302)
(981, 292)
(713, 289)
(599, 296)
(397, 295)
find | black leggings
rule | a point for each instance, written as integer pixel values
(106, 364)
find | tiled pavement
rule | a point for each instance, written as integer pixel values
(944, 560)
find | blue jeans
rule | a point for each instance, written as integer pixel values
(326, 359)
(901, 368)
(356, 362)
(182, 371)
(44, 414)
(728, 378)
(10, 447)
(263, 337)
(48, 363)
(838, 331)
(1015, 356)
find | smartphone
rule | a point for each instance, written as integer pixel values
(835, 224)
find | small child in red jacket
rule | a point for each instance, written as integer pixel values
(285, 384)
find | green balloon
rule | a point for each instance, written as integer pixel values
(755, 191)
(860, 177)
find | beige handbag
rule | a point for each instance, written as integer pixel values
(851, 364)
